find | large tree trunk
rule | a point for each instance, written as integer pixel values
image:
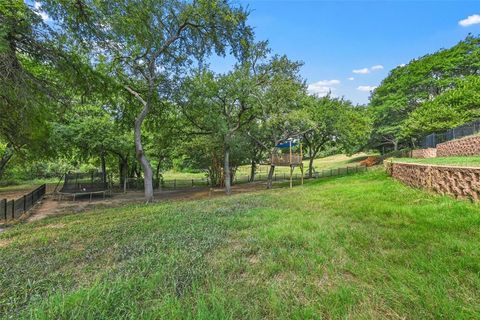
(7, 155)
(226, 171)
(139, 153)
(253, 171)
(123, 171)
(310, 162)
(104, 168)
(270, 177)
(310, 167)
(312, 153)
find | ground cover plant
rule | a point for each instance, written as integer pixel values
(473, 161)
(360, 246)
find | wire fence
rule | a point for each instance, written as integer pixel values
(467, 129)
(13, 209)
(173, 184)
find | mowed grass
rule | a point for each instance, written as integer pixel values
(326, 163)
(361, 246)
(473, 161)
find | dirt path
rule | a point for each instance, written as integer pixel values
(49, 206)
(14, 194)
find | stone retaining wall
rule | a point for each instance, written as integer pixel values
(460, 182)
(468, 146)
(424, 153)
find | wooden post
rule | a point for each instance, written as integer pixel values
(291, 176)
(301, 159)
(290, 144)
(13, 208)
(301, 164)
(24, 203)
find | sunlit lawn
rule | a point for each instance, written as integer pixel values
(455, 161)
(360, 246)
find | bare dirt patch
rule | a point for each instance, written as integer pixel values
(5, 242)
(54, 226)
(50, 206)
(14, 194)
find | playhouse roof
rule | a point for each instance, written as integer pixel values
(286, 144)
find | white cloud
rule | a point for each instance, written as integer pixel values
(377, 67)
(322, 87)
(38, 9)
(351, 78)
(361, 71)
(368, 70)
(471, 20)
(366, 88)
(402, 65)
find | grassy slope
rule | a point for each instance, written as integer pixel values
(331, 162)
(455, 161)
(360, 246)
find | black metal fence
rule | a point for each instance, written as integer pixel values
(173, 184)
(464, 130)
(137, 183)
(13, 209)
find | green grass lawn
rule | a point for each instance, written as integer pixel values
(331, 162)
(361, 246)
(326, 163)
(473, 161)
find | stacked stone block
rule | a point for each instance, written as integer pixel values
(468, 146)
(460, 182)
(424, 153)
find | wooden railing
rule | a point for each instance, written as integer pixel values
(286, 159)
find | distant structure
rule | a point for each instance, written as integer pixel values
(288, 153)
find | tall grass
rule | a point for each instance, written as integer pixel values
(360, 246)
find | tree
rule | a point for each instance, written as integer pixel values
(453, 107)
(224, 105)
(408, 87)
(40, 76)
(90, 131)
(148, 43)
(332, 122)
(219, 105)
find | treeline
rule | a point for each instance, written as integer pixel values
(126, 87)
(430, 94)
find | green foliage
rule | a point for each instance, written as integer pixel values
(419, 83)
(88, 131)
(334, 123)
(452, 108)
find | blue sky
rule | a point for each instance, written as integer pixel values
(348, 47)
(333, 38)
